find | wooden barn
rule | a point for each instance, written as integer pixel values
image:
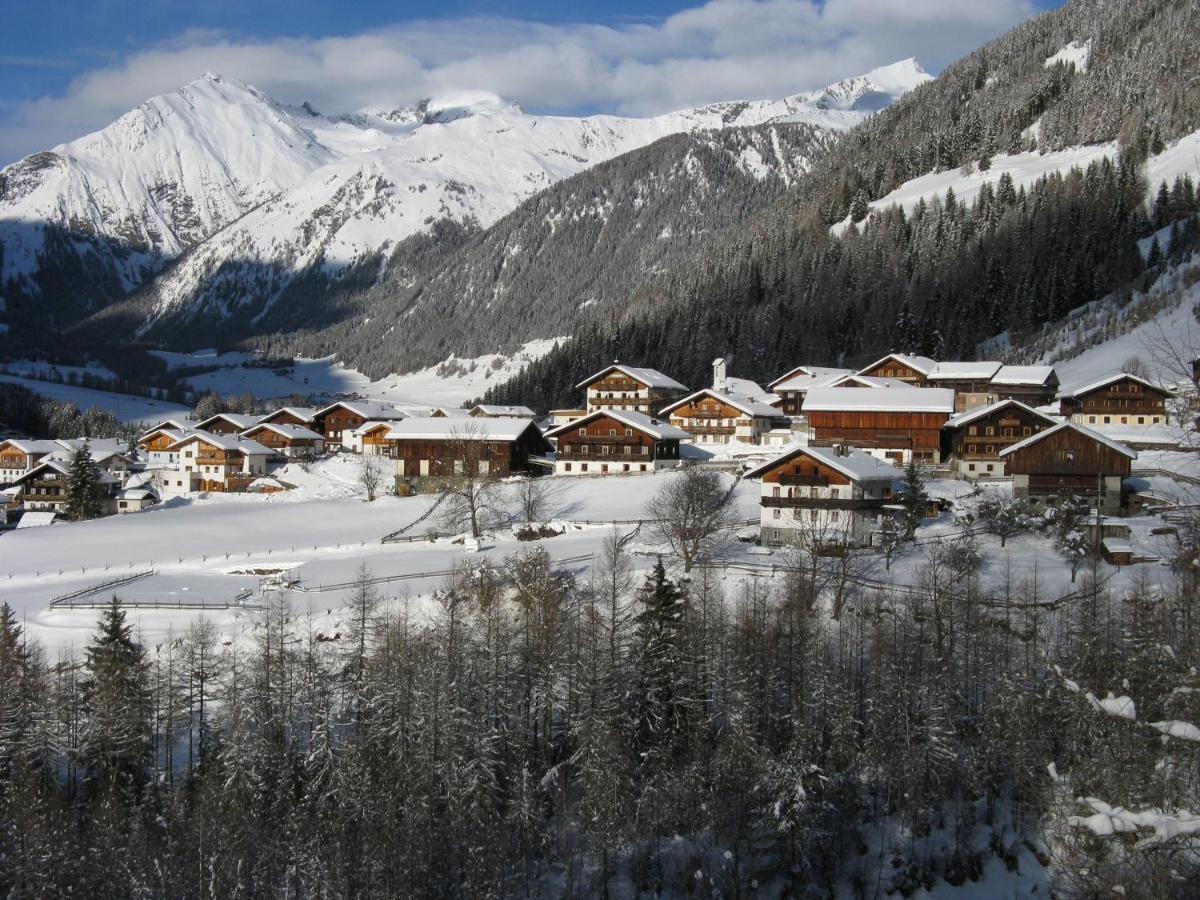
(910, 369)
(832, 495)
(1032, 385)
(615, 442)
(1070, 459)
(227, 423)
(897, 424)
(491, 447)
(1118, 399)
(970, 381)
(631, 389)
(973, 440)
(715, 417)
(291, 415)
(805, 372)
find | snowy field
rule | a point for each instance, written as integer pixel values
(126, 407)
(451, 383)
(204, 552)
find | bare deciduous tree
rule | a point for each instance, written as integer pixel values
(470, 485)
(692, 514)
(374, 470)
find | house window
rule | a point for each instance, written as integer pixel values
(628, 432)
(583, 467)
(971, 467)
(775, 513)
(612, 432)
(645, 450)
(582, 432)
(585, 449)
(604, 450)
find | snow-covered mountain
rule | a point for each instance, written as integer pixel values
(232, 193)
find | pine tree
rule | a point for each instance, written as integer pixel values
(116, 697)
(860, 206)
(83, 485)
(660, 709)
(913, 497)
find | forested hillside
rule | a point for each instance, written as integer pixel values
(783, 288)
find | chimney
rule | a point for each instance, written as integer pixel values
(719, 373)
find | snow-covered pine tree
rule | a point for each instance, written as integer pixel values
(83, 484)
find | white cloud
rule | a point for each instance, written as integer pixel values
(724, 49)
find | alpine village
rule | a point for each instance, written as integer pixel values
(788, 498)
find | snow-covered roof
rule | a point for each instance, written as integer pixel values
(854, 464)
(368, 409)
(488, 409)
(175, 434)
(30, 448)
(481, 428)
(62, 467)
(965, 418)
(36, 519)
(979, 370)
(234, 442)
(240, 421)
(1111, 379)
(372, 425)
(176, 422)
(896, 399)
(304, 413)
(804, 382)
(292, 432)
(809, 371)
(922, 364)
(137, 493)
(744, 387)
(869, 381)
(745, 404)
(655, 427)
(648, 377)
(1086, 432)
(1018, 375)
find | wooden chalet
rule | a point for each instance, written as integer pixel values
(973, 440)
(1032, 385)
(833, 496)
(220, 463)
(338, 419)
(44, 487)
(18, 456)
(227, 423)
(630, 389)
(155, 445)
(491, 447)
(492, 411)
(369, 438)
(714, 417)
(910, 369)
(291, 415)
(613, 442)
(290, 440)
(1118, 399)
(1070, 459)
(792, 391)
(898, 424)
(970, 381)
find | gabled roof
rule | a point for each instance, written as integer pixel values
(868, 381)
(372, 425)
(1111, 379)
(240, 421)
(922, 364)
(233, 442)
(483, 428)
(489, 409)
(1018, 375)
(368, 409)
(293, 432)
(31, 447)
(896, 399)
(1086, 432)
(810, 371)
(654, 427)
(176, 434)
(751, 390)
(745, 404)
(978, 370)
(62, 467)
(803, 383)
(304, 413)
(966, 418)
(648, 377)
(855, 464)
(176, 422)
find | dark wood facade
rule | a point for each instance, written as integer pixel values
(976, 445)
(285, 444)
(891, 367)
(619, 390)
(1067, 460)
(612, 446)
(287, 417)
(490, 457)
(336, 420)
(892, 430)
(711, 420)
(1125, 401)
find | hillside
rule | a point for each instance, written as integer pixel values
(946, 274)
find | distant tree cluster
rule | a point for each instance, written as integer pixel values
(25, 413)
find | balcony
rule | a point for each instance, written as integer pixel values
(804, 480)
(858, 503)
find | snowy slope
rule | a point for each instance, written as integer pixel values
(126, 407)
(221, 172)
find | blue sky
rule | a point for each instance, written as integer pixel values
(70, 66)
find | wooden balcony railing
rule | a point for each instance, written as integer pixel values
(859, 503)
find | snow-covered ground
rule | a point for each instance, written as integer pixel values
(126, 407)
(450, 383)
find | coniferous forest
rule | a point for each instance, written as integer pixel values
(543, 735)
